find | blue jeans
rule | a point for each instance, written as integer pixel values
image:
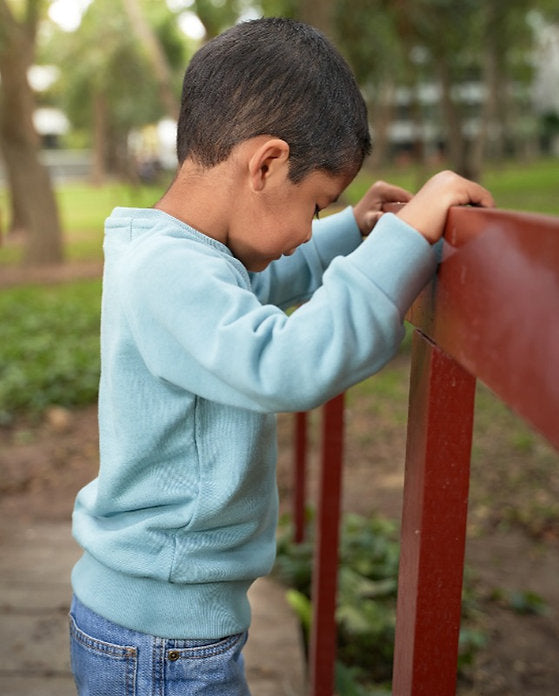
(109, 660)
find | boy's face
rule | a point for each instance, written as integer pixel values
(275, 224)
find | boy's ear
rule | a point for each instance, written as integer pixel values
(270, 158)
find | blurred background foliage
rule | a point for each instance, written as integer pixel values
(90, 89)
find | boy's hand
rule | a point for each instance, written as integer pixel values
(427, 210)
(370, 208)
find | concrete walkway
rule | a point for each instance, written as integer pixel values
(35, 565)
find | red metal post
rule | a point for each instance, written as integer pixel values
(300, 492)
(433, 523)
(325, 571)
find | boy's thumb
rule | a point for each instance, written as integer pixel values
(371, 219)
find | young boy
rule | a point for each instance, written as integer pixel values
(198, 354)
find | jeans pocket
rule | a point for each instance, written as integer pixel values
(101, 668)
(203, 649)
(213, 669)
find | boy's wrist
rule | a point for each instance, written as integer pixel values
(429, 230)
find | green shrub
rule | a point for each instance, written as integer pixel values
(366, 601)
(49, 347)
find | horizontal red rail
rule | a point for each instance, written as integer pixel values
(494, 308)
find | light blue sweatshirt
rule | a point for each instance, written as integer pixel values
(197, 356)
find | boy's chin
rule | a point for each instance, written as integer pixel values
(258, 266)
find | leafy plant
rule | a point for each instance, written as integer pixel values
(520, 601)
(49, 347)
(366, 609)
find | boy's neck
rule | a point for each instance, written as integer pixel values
(200, 197)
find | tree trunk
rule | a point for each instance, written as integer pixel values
(487, 115)
(33, 199)
(455, 142)
(489, 139)
(98, 168)
(17, 217)
(381, 108)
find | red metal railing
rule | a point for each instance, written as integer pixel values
(491, 313)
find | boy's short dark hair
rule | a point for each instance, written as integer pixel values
(277, 77)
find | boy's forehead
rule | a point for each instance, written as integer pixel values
(331, 185)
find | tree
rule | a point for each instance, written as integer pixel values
(471, 54)
(505, 37)
(446, 31)
(113, 87)
(366, 33)
(34, 206)
(162, 70)
(546, 95)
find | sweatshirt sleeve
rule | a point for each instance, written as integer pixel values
(200, 330)
(292, 279)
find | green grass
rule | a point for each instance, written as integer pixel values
(531, 187)
(83, 209)
(525, 186)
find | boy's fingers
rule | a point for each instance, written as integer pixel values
(394, 194)
(481, 196)
(427, 211)
(464, 191)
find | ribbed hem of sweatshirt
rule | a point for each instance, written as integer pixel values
(167, 610)
(408, 260)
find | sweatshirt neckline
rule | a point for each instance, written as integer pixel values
(144, 217)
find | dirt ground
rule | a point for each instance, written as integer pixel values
(509, 554)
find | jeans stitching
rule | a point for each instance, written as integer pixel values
(212, 650)
(119, 652)
(131, 670)
(159, 647)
